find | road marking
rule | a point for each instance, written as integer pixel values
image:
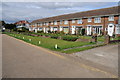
(82, 65)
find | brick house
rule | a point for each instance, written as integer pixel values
(22, 23)
(100, 21)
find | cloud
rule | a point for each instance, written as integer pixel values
(15, 11)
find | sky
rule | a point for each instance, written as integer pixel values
(16, 11)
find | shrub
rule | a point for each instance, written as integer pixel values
(54, 36)
(49, 31)
(83, 32)
(40, 31)
(69, 38)
(47, 35)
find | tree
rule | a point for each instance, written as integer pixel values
(2, 23)
(10, 26)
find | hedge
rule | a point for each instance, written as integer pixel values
(54, 36)
(69, 38)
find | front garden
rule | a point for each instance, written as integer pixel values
(58, 42)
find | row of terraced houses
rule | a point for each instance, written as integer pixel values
(100, 21)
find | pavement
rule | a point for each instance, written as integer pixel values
(23, 60)
(105, 57)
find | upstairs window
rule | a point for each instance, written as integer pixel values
(40, 24)
(79, 21)
(66, 22)
(73, 21)
(44, 23)
(89, 19)
(51, 23)
(117, 29)
(97, 20)
(47, 23)
(111, 18)
(36, 24)
(61, 22)
(55, 22)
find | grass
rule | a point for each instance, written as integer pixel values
(49, 42)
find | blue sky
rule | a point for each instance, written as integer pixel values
(15, 11)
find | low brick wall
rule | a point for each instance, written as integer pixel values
(85, 40)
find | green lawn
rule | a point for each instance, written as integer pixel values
(49, 42)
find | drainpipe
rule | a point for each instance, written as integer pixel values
(69, 26)
(104, 27)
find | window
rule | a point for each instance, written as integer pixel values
(89, 19)
(36, 24)
(47, 23)
(79, 21)
(66, 22)
(55, 22)
(97, 20)
(117, 29)
(51, 23)
(44, 23)
(61, 22)
(40, 24)
(111, 18)
(73, 21)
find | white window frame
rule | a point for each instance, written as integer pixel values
(40, 24)
(89, 19)
(79, 21)
(117, 29)
(55, 22)
(111, 18)
(35, 24)
(97, 20)
(65, 21)
(44, 23)
(61, 21)
(73, 21)
(51, 23)
(47, 23)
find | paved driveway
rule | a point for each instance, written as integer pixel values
(105, 57)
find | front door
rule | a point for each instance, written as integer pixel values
(97, 30)
(110, 29)
(88, 30)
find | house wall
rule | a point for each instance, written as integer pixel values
(104, 23)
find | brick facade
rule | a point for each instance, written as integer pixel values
(74, 23)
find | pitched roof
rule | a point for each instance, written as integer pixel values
(21, 22)
(97, 12)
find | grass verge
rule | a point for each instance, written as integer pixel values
(49, 42)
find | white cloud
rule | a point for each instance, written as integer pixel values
(14, 11)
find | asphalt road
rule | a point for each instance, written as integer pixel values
(22, 60)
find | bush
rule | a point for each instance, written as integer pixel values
(83, 32)
(47, 35)
(40, 31)
(54, 36)
(69, 38)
